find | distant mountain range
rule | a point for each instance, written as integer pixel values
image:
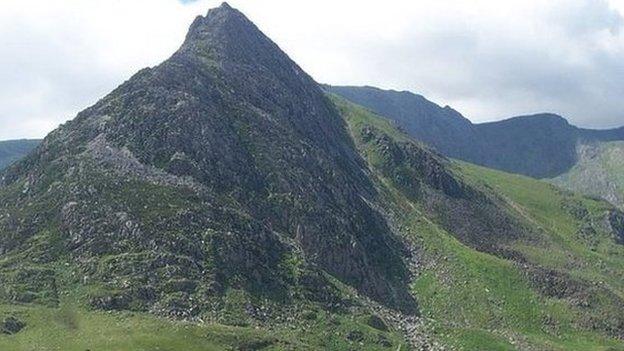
(13, 150)
(540, 146)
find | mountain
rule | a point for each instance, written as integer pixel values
(248, 152)
(219, 185)
(502, 256)
(12, 150)
(221, 200)
(540, 146)
(599, 171)
(441, 127)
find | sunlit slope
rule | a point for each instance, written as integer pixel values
(556, 284)
(70, 328)
(599, 172)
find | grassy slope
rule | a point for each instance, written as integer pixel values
(599, 172)
(562, 249)
(483, 302)
(72, 328)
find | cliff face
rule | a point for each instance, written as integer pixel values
(229, 144)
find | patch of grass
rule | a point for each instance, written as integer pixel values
(547, 208)
(48, 329)
(477, 301)
(70, 328)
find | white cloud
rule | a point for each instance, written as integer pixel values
(489, 59)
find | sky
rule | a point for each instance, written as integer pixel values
(488, 59)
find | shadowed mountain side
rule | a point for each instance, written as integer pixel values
(540, 146)
(13, 150)
(256, 160)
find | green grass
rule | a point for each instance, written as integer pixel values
(542, 204)
(71, 328)
(474, 300)
(481, 302)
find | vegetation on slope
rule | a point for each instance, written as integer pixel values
(531, 296)
(220, 201)
(75, 329)
(559, 290)
(599, 171)
(107, 299)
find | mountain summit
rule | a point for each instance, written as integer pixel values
(217, 167)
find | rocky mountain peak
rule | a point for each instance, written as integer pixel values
(225, 5)
(217, 18)
(227, 34)
(233, 120)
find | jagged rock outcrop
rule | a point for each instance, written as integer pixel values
(473, 216)
(219, 167)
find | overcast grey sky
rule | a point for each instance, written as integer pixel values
(488, 59)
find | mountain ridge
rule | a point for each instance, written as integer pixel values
(548, 150)
(225, 113)
(13, 150)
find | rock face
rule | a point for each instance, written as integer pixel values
(225, 166)
(598, 171)
(540, 146)
(615, 222)
(474, 217)
(11, 325)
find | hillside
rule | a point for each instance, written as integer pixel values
(540, 146)
(599, 171)
(220, 186)
(13, 150)
(441, 127)
(221, 200)
(507, 262)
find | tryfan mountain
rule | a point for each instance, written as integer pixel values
(223, 200)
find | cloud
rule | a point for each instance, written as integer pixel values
(59, 57)
(493, 60)
(489, 59)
